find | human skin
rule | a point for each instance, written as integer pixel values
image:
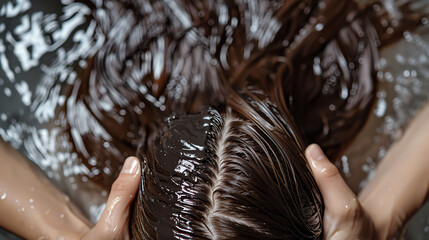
(344, 216)
(397, 190)
(400, 184)
(31, 207)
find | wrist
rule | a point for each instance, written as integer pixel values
(61, 223)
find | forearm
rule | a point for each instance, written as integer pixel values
(30, 205)
(400, 184)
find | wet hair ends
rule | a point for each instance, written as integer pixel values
(316, 57)
(239, 174)
(311, 69)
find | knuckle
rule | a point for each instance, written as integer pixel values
(119, 187)
(330, 172)
(352, 209)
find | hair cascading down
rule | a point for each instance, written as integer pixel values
(316, 57)
(277, 76)
(247, 177)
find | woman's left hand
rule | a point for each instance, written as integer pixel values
(344, 216)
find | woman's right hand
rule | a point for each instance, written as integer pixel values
(33, 208)
(114, 221)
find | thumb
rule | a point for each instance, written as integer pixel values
(336, 193)
(342, 209)
(113, 223)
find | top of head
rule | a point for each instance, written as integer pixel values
(225, 175)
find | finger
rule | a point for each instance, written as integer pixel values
(338, 197)
(114, 219)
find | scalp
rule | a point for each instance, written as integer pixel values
(227, 176)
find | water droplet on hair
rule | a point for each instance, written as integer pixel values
(319, 27)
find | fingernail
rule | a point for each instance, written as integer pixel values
(316, 153)
(130, 166)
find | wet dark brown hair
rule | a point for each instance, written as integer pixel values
(239, 174)
(316, 58)
(277, 76)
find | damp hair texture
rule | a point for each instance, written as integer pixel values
(239, 174)
(277, 87)
(273, 93)
(159, 57)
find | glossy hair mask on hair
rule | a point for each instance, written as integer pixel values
(222, 176)
(141, 60)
